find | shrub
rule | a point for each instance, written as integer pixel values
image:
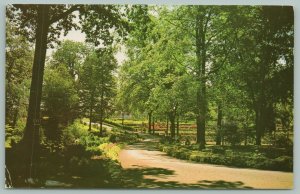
(284, 163)
(218, 150)
(282, 141)
(14, 135)
(195, 157)
(113, 138)
(74, 134)
(199, 156)
(237, 160)
(184, 153)
(255, 157)
(232, 133)
(110, 150)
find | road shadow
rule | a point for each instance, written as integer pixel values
(148, 142)
(138, 178)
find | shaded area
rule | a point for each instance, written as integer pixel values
(73, 168)
(147, 142)
(136, 178)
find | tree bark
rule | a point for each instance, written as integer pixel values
(177, 127)
(172, 124)
(153, 125)
(122, 120)
(149, 121)
(201, 68)
(219, 125)
(258, 126)
(101, 126)
(246, 128)
(31, 132)
(90, 115)
(259, 114)
(167, 129)
(101, 110)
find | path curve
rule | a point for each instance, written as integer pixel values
(179, 173)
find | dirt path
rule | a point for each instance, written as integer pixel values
(149, 168)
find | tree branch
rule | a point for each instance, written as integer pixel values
(65, 14)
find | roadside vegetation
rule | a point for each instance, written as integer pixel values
(81, 159)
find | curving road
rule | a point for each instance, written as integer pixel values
(149, 168)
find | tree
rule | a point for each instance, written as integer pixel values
(135, 75)
(60, 100)
(71, 54)
(18, 57)
(97, 84)
(203, 24)
(43, 24)
(264, 53)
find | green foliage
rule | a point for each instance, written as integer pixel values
(97, 84)
(281, 140)
(14, 135)
(60, 96)
(247, 158)
(74, 134)
(110, 150)
(19, 56)
(165, 73)
(231, 133)
(71, 55)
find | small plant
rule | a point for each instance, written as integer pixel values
(74, 134)
(110, 150)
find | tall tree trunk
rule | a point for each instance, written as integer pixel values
(122, 120)
(90, 117)
(201, 76)
(149, 121)
(101, 111)
(153, 125)
(258, 126)
(177, 127)
(246, 128)
(172, 124)
(167, 129)
(219, 125)
(101, 126)
(31, 134)
(259, 114)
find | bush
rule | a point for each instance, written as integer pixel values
(255, 158)
(232, 134)
(195, 157)
(282, 141)
(284, 163)
(237, 160)
(184, 153)
(218, 150)
(113, 138)
(110, 150)
(74, 134)
(14, 135)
